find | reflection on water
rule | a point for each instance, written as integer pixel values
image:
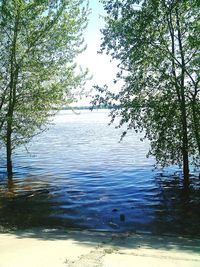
(78, 175)
(179, 208)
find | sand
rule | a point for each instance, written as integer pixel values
(52, 248)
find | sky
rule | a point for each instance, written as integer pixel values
(99, 65)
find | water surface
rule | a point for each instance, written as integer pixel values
(77, 175)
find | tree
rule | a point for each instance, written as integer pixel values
(39, 41)
(156, 43)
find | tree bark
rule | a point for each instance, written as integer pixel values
(186, 170)
(12, 98)
(180, 90)
(196, 124)
(9, 150)
(185, 153)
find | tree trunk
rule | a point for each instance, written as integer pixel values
(196, 124)
(185, 145)
(9, 145)
(186, 170)
(185, 153)
(12, 98)
(9, 150)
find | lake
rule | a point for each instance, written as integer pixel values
(77, 175)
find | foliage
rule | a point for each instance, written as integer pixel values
(39, 41)
(156, 43)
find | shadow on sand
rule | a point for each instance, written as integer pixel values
(116, 240)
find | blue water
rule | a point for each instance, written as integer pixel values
(78, 175)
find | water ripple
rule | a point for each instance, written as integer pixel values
(78, 175)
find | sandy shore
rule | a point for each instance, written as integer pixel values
(45, 248)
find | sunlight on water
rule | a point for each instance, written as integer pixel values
(78, 175)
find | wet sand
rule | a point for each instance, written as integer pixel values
(52, 248)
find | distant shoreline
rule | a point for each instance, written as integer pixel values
(86, 107)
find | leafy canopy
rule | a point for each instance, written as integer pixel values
(39, 41)
(156, 43)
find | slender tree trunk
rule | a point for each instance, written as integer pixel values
(12, 98)
(9, 150)
(180, 90)
(185, 145)
(196, 124)
(9, 131)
